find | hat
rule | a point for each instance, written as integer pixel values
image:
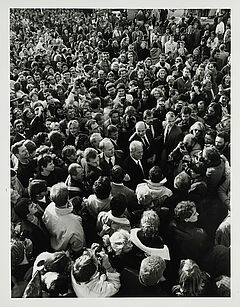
(151, 270)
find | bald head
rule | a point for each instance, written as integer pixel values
(106, 146)
(141, 128)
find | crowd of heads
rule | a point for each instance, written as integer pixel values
(119, 124)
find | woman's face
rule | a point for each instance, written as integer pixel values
(161, 73)
(157, 94)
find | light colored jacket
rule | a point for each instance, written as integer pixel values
(65, 228)
(102, 285)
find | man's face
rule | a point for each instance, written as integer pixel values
(108, 150)
(19, 127)
(141, 130)
(137, 153)
(50, 166)
(114, 135)
(121, 92)
(23, 154)
(147, 84)
(208, 139)
(111, 91)
(162, 59)
(71, 114)
(94, 162)
(115, 118)
(79, 174)
(185, 73)
(201, 107)
(97, 140)
(94, 128)
(185, 117)
(149, 119)
(170, 121)
(219, 143)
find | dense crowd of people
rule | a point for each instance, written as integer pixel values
(120, 153)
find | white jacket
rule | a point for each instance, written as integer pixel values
(65, 228)
(100, 286)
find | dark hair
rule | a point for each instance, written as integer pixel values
(43, 161)
(95, 103)
(111, 129)
(30, 145)
(58, 263)
(15, 147)
(223, 135)
(22, 208)
(199, 168)
(94, 90)
(84, 267)
(39, 138)
(186, 110)
(118, 204)
(36, 186)
(58, 285)
(212, 133)
(155, 174)
(112, 112)
(117, 174)
(102, 187)
(56, 139)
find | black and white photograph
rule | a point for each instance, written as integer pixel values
(120, 152)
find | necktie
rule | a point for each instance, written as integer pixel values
(140, 165)
(166, 133)
(110, 163)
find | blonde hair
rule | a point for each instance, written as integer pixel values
(149, 223)
(190, 277)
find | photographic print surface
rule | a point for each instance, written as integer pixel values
(120, 157)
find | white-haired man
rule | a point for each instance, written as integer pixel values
(144, 136)
(134, 165)
(108, 157)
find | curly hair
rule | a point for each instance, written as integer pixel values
(149, 223)
(184, 210)
(102, 187)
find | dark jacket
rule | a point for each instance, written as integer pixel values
(135, 172)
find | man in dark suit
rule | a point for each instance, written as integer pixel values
(172, 135)
(143, 135)
(19, 127)
(108, 157)
(134, 165)
(118, 179)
